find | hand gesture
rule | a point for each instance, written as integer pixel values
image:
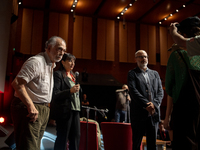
(75, 88)
(173, 28)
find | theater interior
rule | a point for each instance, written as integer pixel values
(103, 35)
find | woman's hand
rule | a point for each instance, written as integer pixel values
(173, 28)
(166, 123)
(75, 88)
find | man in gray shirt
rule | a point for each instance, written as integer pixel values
(33, 90)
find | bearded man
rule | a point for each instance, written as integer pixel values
(146, 93)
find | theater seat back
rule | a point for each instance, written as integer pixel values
(117, 136)
(92, 136)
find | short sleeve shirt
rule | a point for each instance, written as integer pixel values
(193, 46)
(37, 71)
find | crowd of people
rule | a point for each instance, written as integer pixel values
(37, 85)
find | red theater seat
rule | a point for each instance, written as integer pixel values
(92, 136)
(117, 136)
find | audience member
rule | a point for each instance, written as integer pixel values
(146, 96)
(33, 90)
(66, 105)
(85, 102)
(122, 104)
(84, 75)
(163, 134)
(98, 131)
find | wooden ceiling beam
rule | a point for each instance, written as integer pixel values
(99, 7)
(150, 10)
(47, 4)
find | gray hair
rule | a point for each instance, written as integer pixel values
(140, 51)
(52, 41)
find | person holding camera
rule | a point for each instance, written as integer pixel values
(122, 104)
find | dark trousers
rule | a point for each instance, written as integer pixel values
(28, 135)
(68, 130)
(139, 128)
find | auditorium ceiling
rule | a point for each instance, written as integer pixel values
(142, 11)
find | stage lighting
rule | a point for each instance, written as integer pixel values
(2, 120)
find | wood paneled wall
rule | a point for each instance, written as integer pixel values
(31, 36)
(82, 36)
(82, 40)
(105, 39)
(165, 43)
(148, 41)
(58, 25)
(127, 40)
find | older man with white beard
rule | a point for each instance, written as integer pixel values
(146, 93)
(33, 91)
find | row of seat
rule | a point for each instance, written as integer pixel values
(116, 136)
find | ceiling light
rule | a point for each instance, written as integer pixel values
(125, 9)
(73, 5)
(75, 1)
(173, 13)
(20, 3)
(72, 10)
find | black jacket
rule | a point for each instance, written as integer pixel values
(61, 99)
(139, 93)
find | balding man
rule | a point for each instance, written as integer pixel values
(33, 91)
(146, 96)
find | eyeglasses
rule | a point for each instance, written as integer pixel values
(142, 57)
(61, 50)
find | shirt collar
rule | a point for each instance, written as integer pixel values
(48, 60)
(144, 71)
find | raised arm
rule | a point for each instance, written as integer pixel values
(178, 38)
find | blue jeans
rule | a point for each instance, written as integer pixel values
(120, 116)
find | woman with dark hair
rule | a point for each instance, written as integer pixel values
(182, 69)
(187, 34)
(66, 105)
